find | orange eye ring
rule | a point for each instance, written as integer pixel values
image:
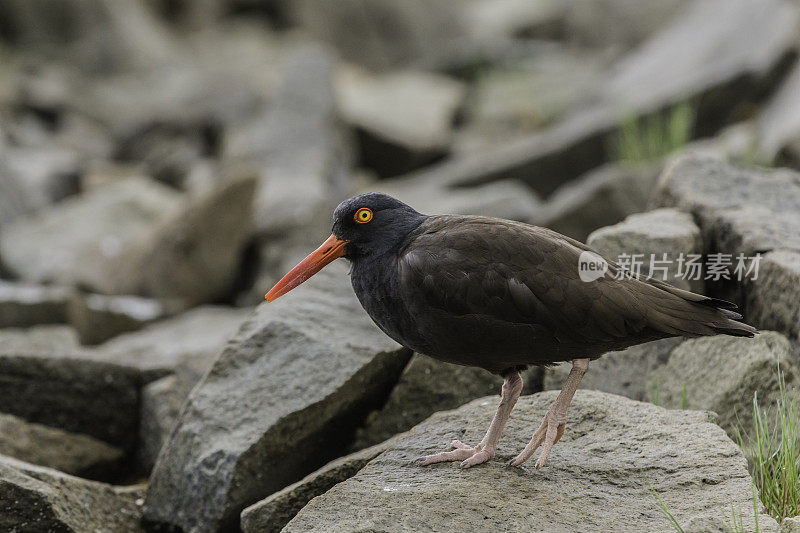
(363, 215)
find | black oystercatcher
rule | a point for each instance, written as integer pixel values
(500, 295)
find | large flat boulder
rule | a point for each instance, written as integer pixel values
(283, 397)
(34, 498)
(598, 477)
(737, 368)
(779, 122)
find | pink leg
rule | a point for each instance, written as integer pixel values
(552, 427)
(475, 455)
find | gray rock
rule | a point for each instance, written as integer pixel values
(532, 93)
(614, 449)
(621, 23)
(779, 122)
(75, 242)
(32, 178)
(493, 20)
(737, 368)
(188, 341)
(425, 387)
(772, 298)
(39, 339)
(294, 142)
(161, 404)
(58, 389)
(98, 317)
(740, 210)
(662, 72)
(653, 234)
(625, 372)
(600, 198)
(509, 199)
(274, 512)
(743, 40)
(24, 304)
(34, 498)
(404, 118)
(72, 453)
(428, 386)
(282, 398)
(381, 34)
(790, 525)
(194, 255)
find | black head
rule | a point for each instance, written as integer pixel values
(364, 226)
(373, 223)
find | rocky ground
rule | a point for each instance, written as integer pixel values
(162, 163)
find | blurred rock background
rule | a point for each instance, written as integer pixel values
(163, 162)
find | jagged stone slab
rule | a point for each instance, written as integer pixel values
(34, 498)
(272, 513)
(71, 453)
(281, 399)
(722, 373)
(597, 478)
(190, 340)
(58, 388)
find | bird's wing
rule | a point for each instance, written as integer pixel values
(518, 273)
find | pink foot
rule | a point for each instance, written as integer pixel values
(547, 435)
(468, 455)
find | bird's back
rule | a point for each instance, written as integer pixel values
(499, 294)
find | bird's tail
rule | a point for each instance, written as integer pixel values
(704, 315)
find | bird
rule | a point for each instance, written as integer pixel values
(501, 295)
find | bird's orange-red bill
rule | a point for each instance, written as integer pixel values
(330, 250)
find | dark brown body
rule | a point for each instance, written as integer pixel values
(499, 295)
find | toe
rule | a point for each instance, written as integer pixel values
(477, 458)
(454, 455)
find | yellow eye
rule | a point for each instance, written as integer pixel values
(363, 215)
